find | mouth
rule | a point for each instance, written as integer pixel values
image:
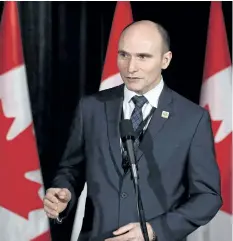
(132, 78)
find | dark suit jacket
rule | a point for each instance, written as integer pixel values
(179, 177)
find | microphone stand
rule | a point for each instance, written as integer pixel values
(141, 214)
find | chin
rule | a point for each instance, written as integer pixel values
(133, 87)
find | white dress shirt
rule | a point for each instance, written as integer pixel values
(152, 96)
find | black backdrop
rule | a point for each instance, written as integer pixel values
(64, 49)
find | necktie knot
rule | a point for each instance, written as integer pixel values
(139, 101)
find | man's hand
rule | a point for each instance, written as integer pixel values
(56, 201)
(131, 231)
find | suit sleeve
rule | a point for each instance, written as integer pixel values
(71, 170)
(204, 189)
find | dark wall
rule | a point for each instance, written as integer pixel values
(64, 49)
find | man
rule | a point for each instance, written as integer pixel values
(178, 175)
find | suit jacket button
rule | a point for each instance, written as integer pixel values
(124, 195)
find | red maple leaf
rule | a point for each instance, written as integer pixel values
(224, 155)
(43, 237)
(18, 156)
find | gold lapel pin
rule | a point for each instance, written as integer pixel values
(165, 114)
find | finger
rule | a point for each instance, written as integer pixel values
(124, 237)
(125, 228)
(51, 216)
(53, 206)
(64, 195)
(51, 212)
(112, 239)
(51, 197)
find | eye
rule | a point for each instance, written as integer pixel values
(123, 54)
(142, 56)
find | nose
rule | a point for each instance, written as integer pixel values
(132, 66)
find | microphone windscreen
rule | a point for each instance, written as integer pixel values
(126, 129)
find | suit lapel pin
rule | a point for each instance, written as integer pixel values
(165, 114)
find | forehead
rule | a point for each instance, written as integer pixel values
(140, 41)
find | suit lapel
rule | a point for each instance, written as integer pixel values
(158, 119)
(113, 115)
(113, 107)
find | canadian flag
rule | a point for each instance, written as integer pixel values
(110, 78)
(21, 208)
(122, 18)
(216, 97)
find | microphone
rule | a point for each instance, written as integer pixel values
(128, 137)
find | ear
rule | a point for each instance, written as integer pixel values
(166, 59)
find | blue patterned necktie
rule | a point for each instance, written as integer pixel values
(136, 119)
(137, 116)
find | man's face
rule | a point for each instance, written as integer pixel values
(141, 59)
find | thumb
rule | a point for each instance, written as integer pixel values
(53, 191)
(124, 229)
(64, 194)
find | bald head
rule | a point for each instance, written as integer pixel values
(142, 55)
(149, 29)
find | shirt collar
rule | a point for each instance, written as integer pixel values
(152, 95)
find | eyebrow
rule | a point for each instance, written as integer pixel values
(144, 54)
(122, 51)
(137, 54)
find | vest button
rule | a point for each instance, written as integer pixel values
(124, 195)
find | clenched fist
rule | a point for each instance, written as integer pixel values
(56, 201)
